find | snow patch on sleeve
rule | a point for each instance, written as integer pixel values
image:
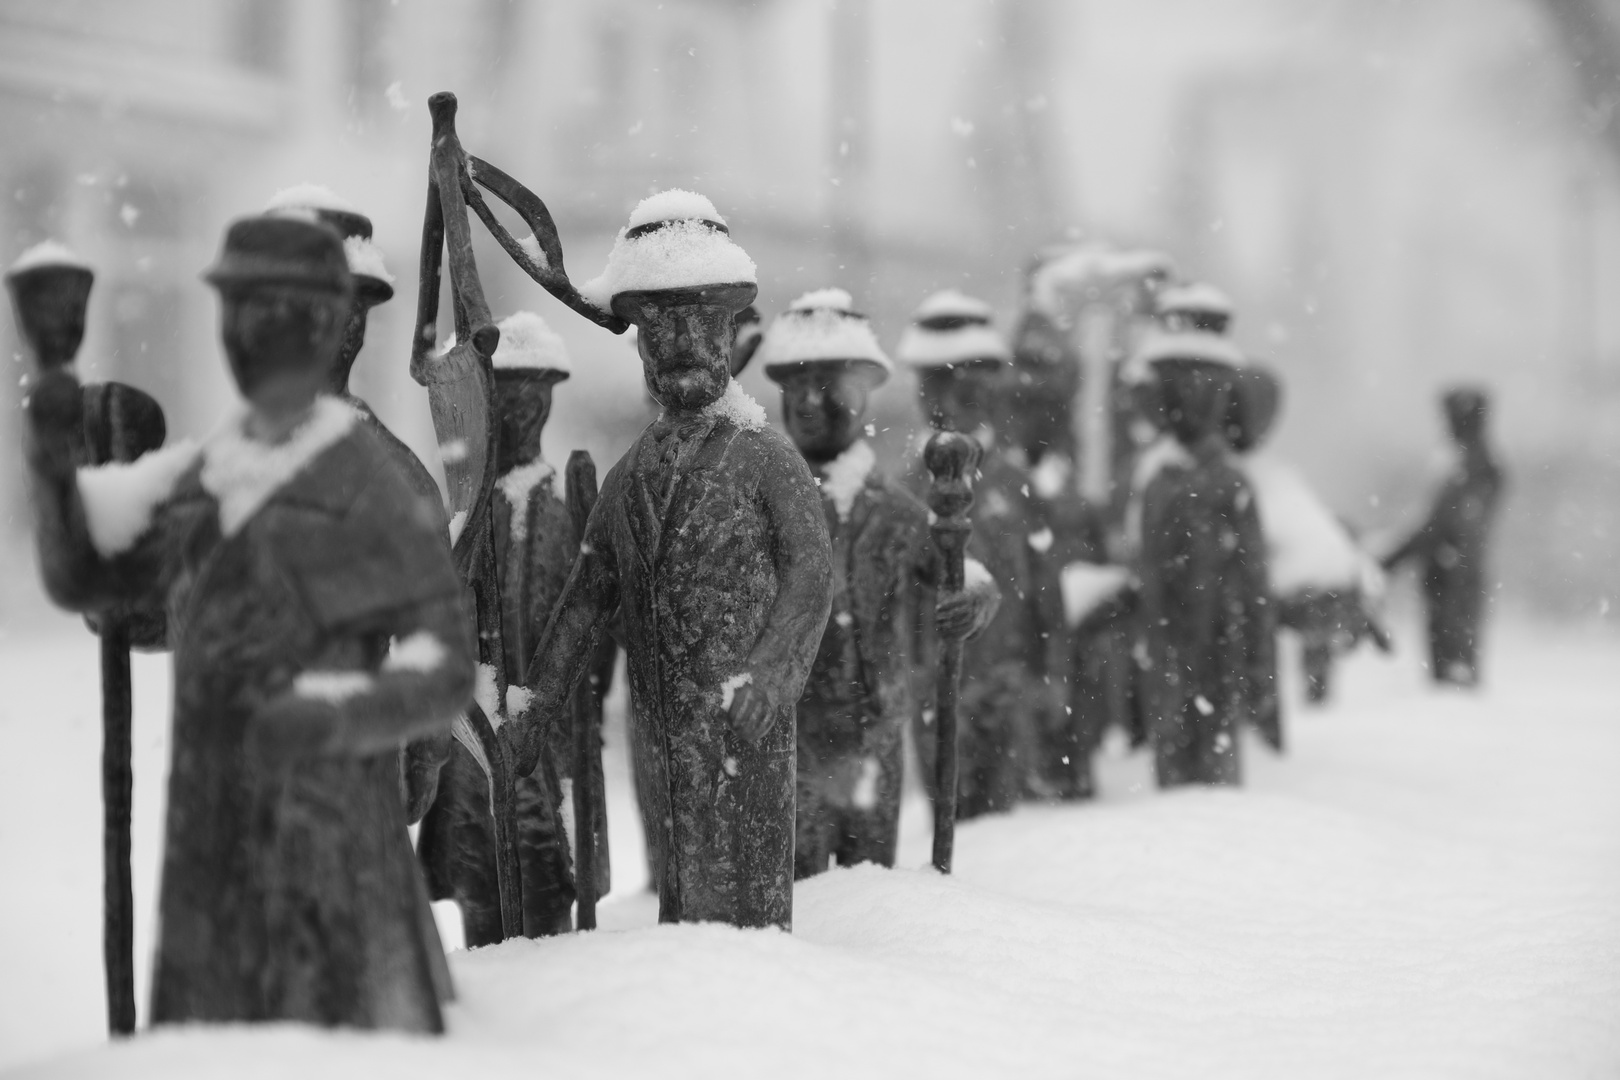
(516, 487)
(119, 499)
(975, 575)
(421, 651)
(845, 475)
(729, 688)
(518, 700)
(738, 407)
(335, 687)
(1086, 586)
(1306, 545)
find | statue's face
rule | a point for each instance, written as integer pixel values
(685, 352)
(959, 398)
(822, 409)
(523, 400)
(1037, 408)
(281, 340)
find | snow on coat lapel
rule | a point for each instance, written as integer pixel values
(243, 474)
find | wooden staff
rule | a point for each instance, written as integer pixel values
(950, 457)
(589, 822)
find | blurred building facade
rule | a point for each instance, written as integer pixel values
(1397, 195)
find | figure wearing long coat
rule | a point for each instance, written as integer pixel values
(1204, 613)
(287, 894)
(535, 548)
(1004, 696)
(709, 535)
(885, 567)
(1450, 548)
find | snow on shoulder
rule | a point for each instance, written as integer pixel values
(119, 499)
(242, 473)
(674, 240)
(527, 342)
(738, 407)
(1307, 547)
(47, 253)
(845, 475)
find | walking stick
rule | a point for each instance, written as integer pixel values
(589, 822)
(949, 456)
(120, 423)
(460, 388)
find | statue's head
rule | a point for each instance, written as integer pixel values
(373, 284)
(285, 292)
(675, 273)
(1467, 408)
(1038, 396)
(823, 354)
(1251, 411)
(959, 360)
(1193, 373)
(529, 362)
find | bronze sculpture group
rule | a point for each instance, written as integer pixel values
(354, 654)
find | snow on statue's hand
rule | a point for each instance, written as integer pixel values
(750, 713)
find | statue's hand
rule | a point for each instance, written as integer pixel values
(56, 417)
(288, 729)
(750, 712)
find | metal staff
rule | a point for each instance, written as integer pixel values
(590, 824)
(120, 424)
(950, 457)
(461, 393)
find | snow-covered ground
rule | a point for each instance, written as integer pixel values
(1427, 886)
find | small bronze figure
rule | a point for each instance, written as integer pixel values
(290, 554)
(1450, 547)
(857, 700)
(959, 359)
(1204, 611)
(709, 535)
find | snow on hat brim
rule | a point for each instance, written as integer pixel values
(679, 255)
(1182, 345)
(971, 343)
(47, 253)
(817, 336)
(529, 345)
(952, 304)
(1200, 298)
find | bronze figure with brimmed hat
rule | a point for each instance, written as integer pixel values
(886, 570)
(1205, 619)
(316, 623)
(1451, 545)
(534, 548)
(960, 359)
(708, 534)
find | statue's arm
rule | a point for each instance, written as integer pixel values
(780, 660)
(568, 644)
(77, 574)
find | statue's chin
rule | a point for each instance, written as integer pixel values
(691, 391)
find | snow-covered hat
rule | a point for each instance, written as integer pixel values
(1161, 345)
(1197, 306)
(528, 345)
(950, 329)
(372, 281)
(822, 328)
(674, 242)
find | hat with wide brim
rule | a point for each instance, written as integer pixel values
(1196, 305)
(373, 284)
(1189, 345)
(530, 349)
(280, 250)
(951, 329)
(821, 330)
(674, 242)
